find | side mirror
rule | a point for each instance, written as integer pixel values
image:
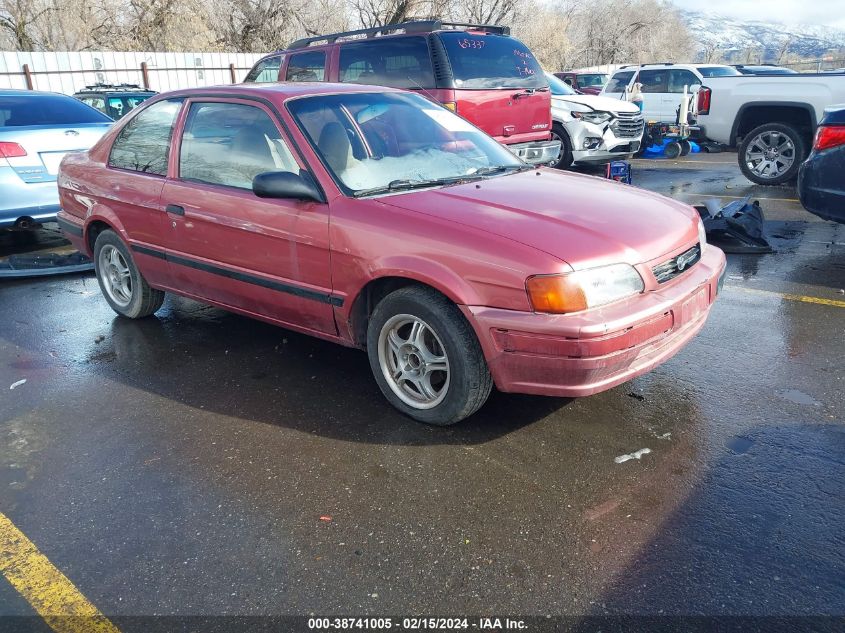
(285, 184)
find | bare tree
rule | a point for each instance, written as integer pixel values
(19, 19)
(485, 11)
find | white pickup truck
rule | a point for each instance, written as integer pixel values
(772, 119)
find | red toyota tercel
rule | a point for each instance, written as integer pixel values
(377, 219)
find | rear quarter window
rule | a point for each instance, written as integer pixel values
(619, 81)
(143, 145)
(399, 63)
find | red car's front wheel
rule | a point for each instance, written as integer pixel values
(426, 358)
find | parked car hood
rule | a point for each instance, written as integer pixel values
(597, 103)
(582, 220)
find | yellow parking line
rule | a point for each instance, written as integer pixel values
(791, 297)
(47, 590)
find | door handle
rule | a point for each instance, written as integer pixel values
(175, 209)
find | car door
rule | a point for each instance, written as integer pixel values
(308, 66)
(138, 163)
(269, 257)
(657, 102)
(679, 78)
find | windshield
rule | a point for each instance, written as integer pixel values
(559, 86)
(374, 143)
(50, 109)
(597, 80)
(718, 71)
(491, 61)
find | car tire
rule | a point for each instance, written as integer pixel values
(413, 330)
(565, 158)
(121, 283)
(764, 138)
(672, 150)
(686, 147)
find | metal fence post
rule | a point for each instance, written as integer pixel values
(232, 73)
(145, 75)
(27, 73)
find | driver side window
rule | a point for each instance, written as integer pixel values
(230, 143)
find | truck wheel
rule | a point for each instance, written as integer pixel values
(564, 160)
(672, 149)
(426, 358)
(686, 147)
(126, 291)
(771, 154)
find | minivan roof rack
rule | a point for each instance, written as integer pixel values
(412, 26)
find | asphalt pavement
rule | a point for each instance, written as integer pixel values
(201, 463)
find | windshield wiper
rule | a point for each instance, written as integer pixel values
(407, 185)
(498, 169)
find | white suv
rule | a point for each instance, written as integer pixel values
(592, 129)
(663, 84)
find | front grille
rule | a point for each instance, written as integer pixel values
(673, 267)
(628, 124)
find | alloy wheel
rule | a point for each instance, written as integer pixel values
(770, 154)
(413, 361)
(116, 275)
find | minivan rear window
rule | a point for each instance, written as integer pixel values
(404, 62)
(491, 61)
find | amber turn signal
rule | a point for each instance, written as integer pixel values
(451, 105)
(556, 294)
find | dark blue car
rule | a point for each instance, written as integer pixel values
(821, 180)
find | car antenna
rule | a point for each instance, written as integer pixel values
(418, 85)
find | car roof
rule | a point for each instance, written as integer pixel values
(17, 92)
(277, 91)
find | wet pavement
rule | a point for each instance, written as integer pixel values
(200, 463)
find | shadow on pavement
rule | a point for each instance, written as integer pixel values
(207, 358)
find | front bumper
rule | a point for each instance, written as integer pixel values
(609, 149)
(537, 152)
(584, 353)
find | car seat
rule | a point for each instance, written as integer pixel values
(335, 147)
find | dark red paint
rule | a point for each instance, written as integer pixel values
(477, 243)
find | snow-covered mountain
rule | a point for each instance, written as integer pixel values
(735, 37)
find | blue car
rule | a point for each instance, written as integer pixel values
(36, 130)
(821, 180)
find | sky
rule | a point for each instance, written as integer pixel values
(824, 12)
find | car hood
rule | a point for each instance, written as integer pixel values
(597, 103)
(582, 220)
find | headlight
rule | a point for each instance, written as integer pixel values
(593, 117)
(582, 289)
(702, 235)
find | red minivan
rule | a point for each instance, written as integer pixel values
(479, 71)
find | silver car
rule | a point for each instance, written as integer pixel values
(37, 129)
